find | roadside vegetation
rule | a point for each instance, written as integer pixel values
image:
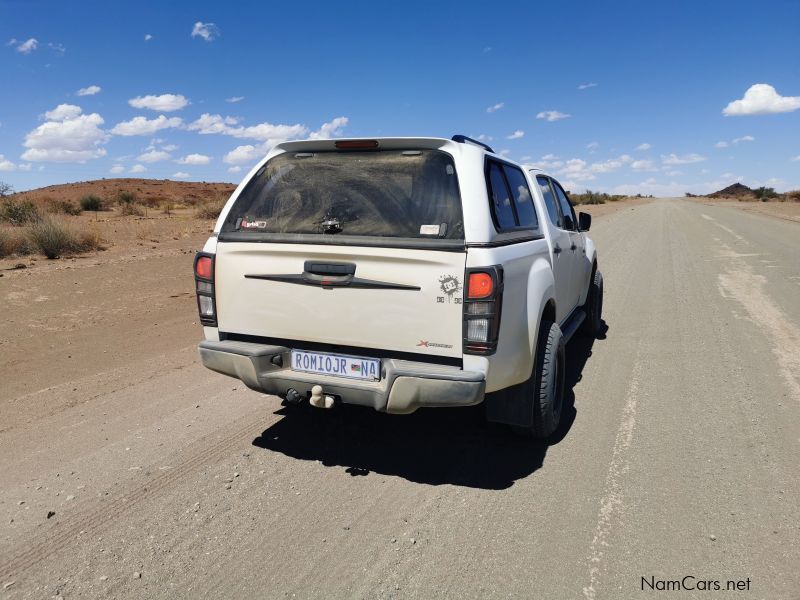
(590, 197)
(72, 219)
(742, 193)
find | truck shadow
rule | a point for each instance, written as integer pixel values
(431, 446)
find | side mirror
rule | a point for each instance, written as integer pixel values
(584, 221)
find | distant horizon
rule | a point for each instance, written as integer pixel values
(236, 183)
(202, 91)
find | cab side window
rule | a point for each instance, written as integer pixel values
(549, 199)
(501, 199)
(570, 220)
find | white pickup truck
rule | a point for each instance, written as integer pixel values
(399, 273)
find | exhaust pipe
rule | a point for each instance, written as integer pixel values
(318, 400)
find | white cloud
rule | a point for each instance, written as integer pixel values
(504, 152)
(576, 169)
(89, 91)
(552, 115)
(674, 159)
(66, 136)
(59, 49)
(243, 154)
(6, 165)
(644, 146)
(586, 86)
(162, 103)
(270, 135)
(117, 169)
(234, 99)
(144, 126)
(549, 157)
(330, 129)
(592, 146)
(154, 156)
(263, 132)
(63, 112)
(643, 165)
(25, 47)
(761, 99)
(194, 159)
(739, 140)
(484, 138)
(610, 165)
(208, 123)
(181, 175)
(147, 37)
(235, 169)
(495, 107)
(516, 135)
(207, 31)
(796, 157)
(138, 169)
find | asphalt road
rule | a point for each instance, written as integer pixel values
(679, 457)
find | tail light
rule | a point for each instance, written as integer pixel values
(204, 286)
(482, 306)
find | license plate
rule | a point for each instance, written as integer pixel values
(352, 367)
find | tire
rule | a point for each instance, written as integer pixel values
(593, 308)
(545, 389)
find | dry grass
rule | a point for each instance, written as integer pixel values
(14, 241)
(211, 208)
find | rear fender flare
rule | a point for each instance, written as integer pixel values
(541, 291)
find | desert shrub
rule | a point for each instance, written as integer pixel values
(52, 237)
(88, 240)
(210, 209)
(793, 195)
(154, 201)
(63, 207)
(128, 198)
(91, 202)
(168, 208)
(19, 212)
(765, 193)
(131, 209)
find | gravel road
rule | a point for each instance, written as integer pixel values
(129, 471)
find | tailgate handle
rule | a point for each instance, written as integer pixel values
(329, 269)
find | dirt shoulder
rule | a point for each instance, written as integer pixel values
(787, 211)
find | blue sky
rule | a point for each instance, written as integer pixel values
(617, 96)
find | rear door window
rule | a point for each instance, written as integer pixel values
(549, 199)
(387, 193)
(570, 222)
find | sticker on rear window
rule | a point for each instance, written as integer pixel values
(253, 224)
(429, 229)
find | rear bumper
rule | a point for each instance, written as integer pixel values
(404, 385)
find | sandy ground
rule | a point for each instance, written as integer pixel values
(129, 471)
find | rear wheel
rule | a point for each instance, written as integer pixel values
(544, 391)
(593, 307)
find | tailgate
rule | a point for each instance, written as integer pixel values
(399, 299)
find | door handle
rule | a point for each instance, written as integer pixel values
(556, 249)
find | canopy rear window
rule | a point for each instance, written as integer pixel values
(387, 193)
